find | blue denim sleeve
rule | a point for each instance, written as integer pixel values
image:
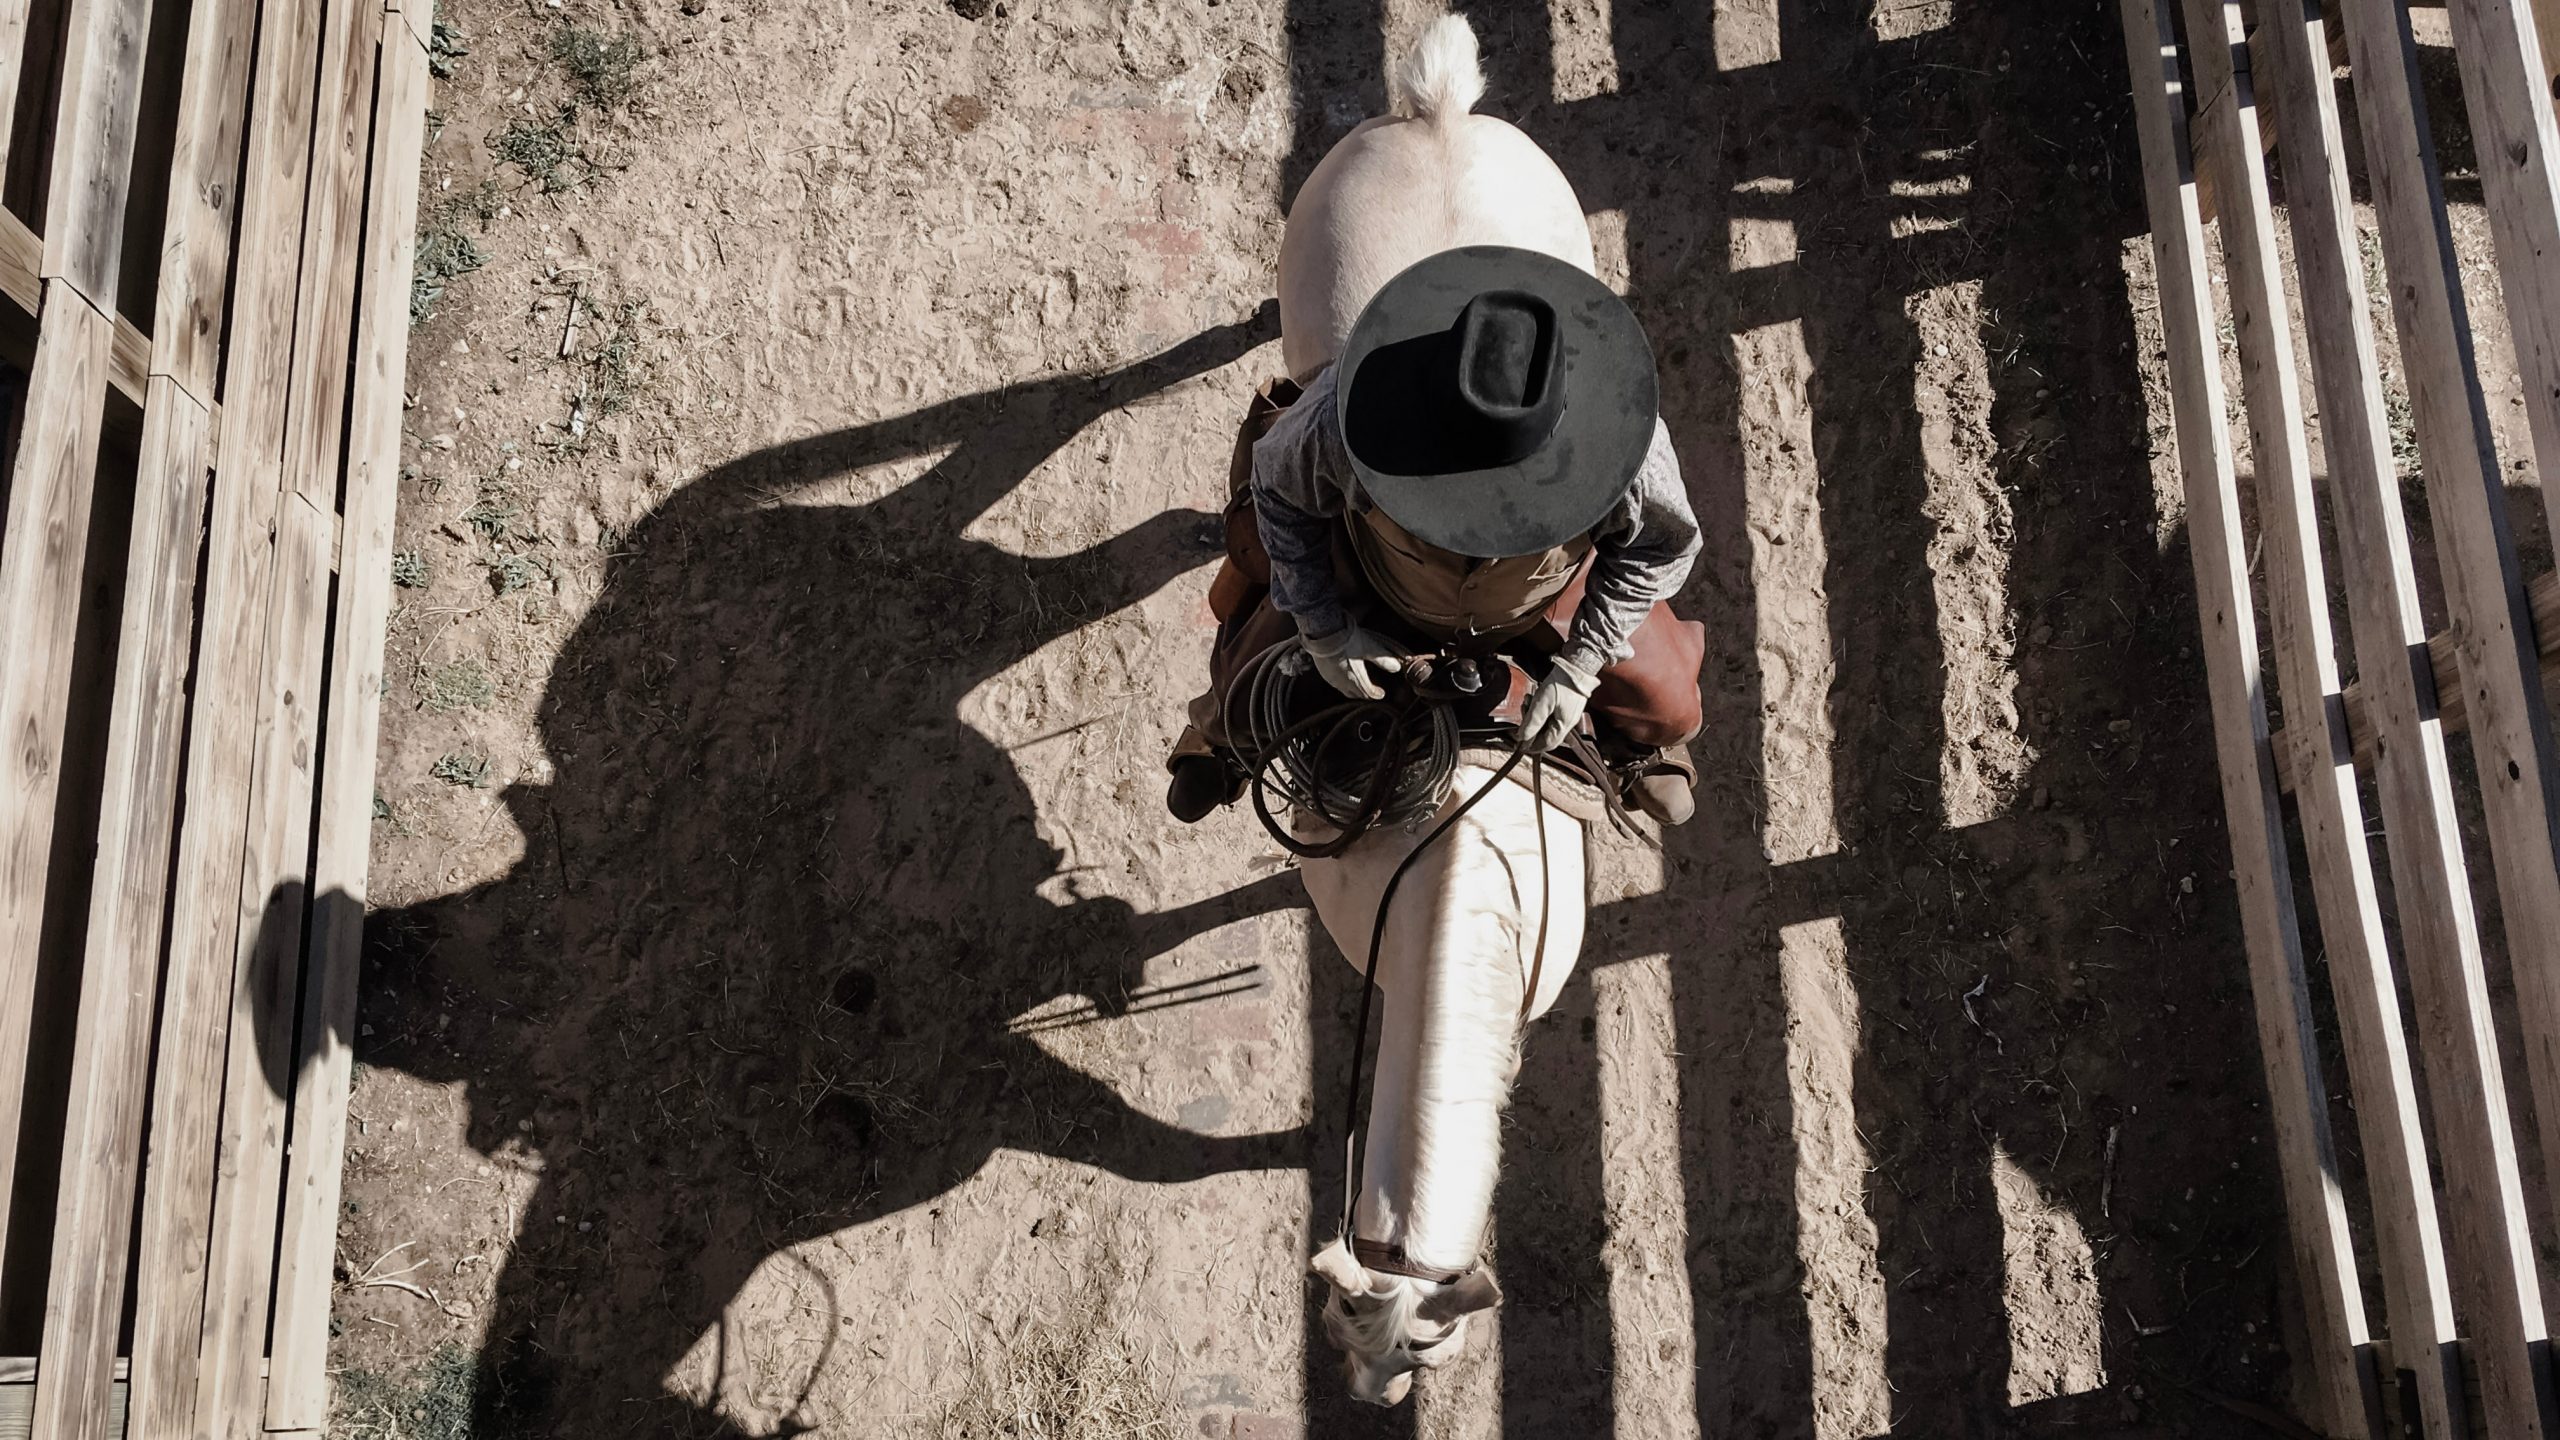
(1300, 478)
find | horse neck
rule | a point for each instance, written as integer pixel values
(1451, 969)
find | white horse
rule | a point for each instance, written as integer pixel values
(1500, 896)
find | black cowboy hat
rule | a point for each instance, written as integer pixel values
(1496, 401)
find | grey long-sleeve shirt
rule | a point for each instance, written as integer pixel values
(1303, 481)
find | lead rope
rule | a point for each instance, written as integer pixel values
(1354, 1168)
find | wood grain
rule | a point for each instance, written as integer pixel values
(2324, 1256)
(93, 145)
(324, 321)
(275, 875)
(2489, 1241)
(2485, 670)
(120, 974)
(45, 547)
(187, 1069)
(418, 20)
(177, 1319)
(21, 257)
(13, 48)
(204, 166)
(2417, 1295)
(298, 1387)
(98, 109)
(273, 906)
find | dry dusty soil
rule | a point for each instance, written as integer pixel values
(790, 1009)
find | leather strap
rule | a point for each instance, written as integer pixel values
(1390, 1260)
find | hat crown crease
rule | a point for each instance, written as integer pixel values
(1509, 370)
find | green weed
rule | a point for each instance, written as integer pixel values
(444, 48)
(599, 65)
(465, 768)
(510, 572)
(409, 569)
(432, 1403)
(461, 685)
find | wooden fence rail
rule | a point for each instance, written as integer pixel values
(190, 667)
(2462, 1348)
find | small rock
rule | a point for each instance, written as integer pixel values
(461, 347)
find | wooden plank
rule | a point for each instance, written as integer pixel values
(21, 1370)
(274, 903)
(2485, 668)
(298, 1390)
(197, 241)
(174, 1316)
(275, 877)
(93, 145)
(2444, 652)
(2324, 1256)
(2506, 87)
(17, 1411)
(41, 559)
(195, 257)
(2416, 1293)
(324, 323)
(2491, 1245)
(21, 257)
(417, 20)
(100, 98)
(13, 50)
(102, 1144)
(178, 1178)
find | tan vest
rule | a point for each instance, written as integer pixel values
(1456, 597)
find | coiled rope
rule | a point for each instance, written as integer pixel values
(1309, 764)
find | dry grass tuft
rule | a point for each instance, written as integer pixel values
(1073, 1376)
(433, 1403)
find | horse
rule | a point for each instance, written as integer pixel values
(1485, 925)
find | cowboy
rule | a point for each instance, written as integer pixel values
(1481, 468)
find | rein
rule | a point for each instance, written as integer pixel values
(1334, 722)
(1377, 1255)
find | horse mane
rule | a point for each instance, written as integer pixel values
(1385, 1320)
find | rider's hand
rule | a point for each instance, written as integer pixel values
(1343, 658)
(1556, 706)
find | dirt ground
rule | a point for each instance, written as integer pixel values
(791, 1010)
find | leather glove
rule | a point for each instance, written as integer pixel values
(1556, 706)
(1343, 658)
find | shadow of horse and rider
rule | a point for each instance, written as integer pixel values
(751, 983)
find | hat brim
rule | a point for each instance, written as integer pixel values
(1561, 490)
